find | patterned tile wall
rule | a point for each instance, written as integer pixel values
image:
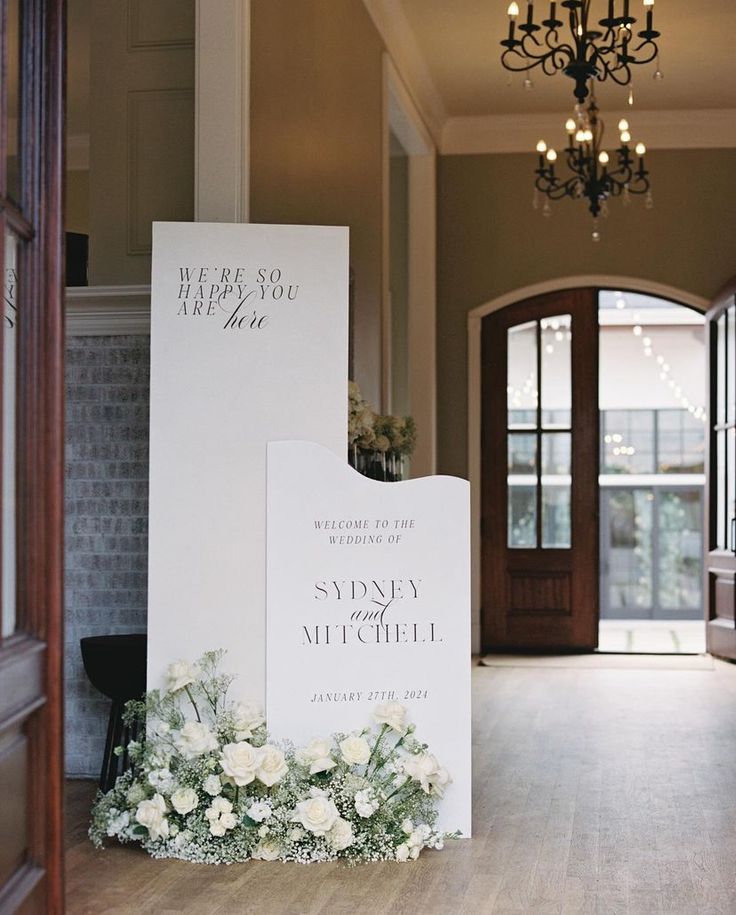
(106, 528)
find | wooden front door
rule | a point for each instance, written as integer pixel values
(720, 559)
(540, 474)
(31, 491)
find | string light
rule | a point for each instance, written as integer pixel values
(665, 373)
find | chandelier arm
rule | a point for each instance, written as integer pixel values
(559, 58)
(652, 54)
(621, 75)
(526, 62)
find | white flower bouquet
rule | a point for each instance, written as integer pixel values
(207, 786)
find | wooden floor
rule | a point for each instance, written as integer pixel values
(596, 791)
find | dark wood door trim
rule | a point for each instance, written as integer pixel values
(719, 588)
(31, 668)
(550, 628)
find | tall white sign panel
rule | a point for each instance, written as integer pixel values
(249, 341)
(368, 601)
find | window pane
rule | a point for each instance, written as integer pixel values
(731, 483)
(521, 383)
(522, 517)
(523, 456)
(721, 371)
(556, 525)
(8, 482)
(556, 372)
(721, 490)
(680, 550)
(13, 90)
(731, 353)
(628, 441)
(522, 490)
(556, 462)
(628, 548)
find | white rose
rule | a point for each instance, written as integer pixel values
(402, 852)
(180, 674)
(407, 826)
(184, 800)
(355, 750)
(341, 835)
(229, 820)
(296, 834)
(195, 739)
(317, 814)
(424, 768)
(317, 755)
(414, 852)
(267, 850)
(152, 815)
(218, 806)
(263, 832)
(136, 794)
(161, 779)
(393, 714)
(259, 811)
(212, 785)
(365, 804)
(239, 762)
(271, 766)
(246, 718)
(216, 828)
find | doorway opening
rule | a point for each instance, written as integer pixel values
(595, 450)
(653, 428)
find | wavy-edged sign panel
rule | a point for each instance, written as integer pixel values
(368, 602)
(249, 342)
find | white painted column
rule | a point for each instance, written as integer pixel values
(222, 111)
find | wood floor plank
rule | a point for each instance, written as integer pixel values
(596, 792)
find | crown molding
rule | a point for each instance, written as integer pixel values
(98, 311)
(513, 133)
(401, 44)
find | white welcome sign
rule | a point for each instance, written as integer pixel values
(369, 601)
(249, 341)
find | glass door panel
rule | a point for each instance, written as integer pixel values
(539, 416)
(556, 353)
(522, 388)
(8, 435)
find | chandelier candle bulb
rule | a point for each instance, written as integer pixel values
(623, 124)
(551, 155)
(604, 158)
(641, 149)
(625, 136)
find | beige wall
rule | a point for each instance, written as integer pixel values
(491, 242)
(77, 202)
(317, 140)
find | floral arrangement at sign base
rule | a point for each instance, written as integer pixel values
(378, 446)
(207, 786)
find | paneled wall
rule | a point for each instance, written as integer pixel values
(141, 131)
(106, 518)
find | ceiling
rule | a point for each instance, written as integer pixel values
(459, 41)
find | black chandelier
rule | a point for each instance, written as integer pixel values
(606, 50)
(594, 176)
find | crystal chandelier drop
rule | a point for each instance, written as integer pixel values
(595, 175)
(602, 50)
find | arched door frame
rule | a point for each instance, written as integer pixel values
(475, 319)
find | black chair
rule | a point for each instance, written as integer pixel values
(116, 666)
